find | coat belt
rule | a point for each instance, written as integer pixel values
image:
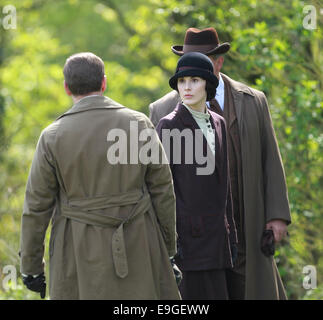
(83, 210)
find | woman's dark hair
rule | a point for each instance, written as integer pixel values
(210, 90)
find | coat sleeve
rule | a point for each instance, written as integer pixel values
(160, 185)
(275, 189)
(152, 114)
(166, 141)
(163, 106)
(39, 204)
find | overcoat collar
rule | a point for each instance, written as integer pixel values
(92, 103)
(238, 86)
(237, 89)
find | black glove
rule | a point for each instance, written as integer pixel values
(268, 243)
(234, 252)
(37, 284)
(177, 272)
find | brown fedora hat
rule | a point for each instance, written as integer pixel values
(205, 41)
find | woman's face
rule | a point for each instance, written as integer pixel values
(192, 92)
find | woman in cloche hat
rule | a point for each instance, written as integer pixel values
(203, 198)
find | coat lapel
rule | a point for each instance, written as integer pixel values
(189, 122)
(237, 99)
(237, 90)
(216, 126)
(186, 117)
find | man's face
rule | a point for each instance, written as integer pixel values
(217, 64)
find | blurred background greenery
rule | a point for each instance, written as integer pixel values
(270, 50)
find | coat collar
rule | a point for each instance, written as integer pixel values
(238, 89)
(188, 121)
(91, 103)
(238, 86)
(186, 117)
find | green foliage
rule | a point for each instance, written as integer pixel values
(270, 51)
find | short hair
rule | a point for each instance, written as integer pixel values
(210, 91)
(83, 73)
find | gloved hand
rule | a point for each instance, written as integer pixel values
(37, 284)
(177, 272)
(268, 243)
(234, 252)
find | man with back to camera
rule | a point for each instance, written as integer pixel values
(259, 193)
(113, 225)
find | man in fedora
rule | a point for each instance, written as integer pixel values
(259, 193)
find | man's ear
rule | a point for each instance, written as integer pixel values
(218, 64)
(67, 90)
(104, 84)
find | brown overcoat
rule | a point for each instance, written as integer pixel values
(113, 226)
(264, 188)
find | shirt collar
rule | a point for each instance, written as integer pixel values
(197, 114)
(220, 86)
(219, 89)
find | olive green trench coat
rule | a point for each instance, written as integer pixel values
(113, 225)
(264, 187)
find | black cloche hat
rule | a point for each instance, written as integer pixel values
(194, 64)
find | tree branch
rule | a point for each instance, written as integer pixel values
(132, 32)
(121, 17)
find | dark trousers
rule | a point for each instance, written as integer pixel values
(236, 278)
(204, 285)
